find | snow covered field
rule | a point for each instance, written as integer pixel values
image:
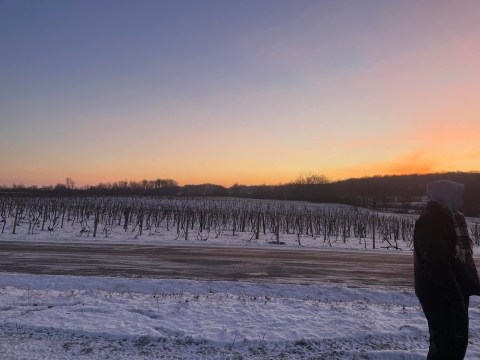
(59, 317)
(65, 317)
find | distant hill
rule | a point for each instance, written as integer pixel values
(400, 193)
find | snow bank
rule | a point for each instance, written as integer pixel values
(59, 317)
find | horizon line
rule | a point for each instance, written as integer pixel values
(328, 181)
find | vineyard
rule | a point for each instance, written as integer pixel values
(206, 219)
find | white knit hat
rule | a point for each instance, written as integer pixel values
(447, 193)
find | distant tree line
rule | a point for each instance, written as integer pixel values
(124, 187)
(399, 193)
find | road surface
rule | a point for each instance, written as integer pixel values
(285, 265)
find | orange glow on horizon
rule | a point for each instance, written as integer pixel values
(371, 170)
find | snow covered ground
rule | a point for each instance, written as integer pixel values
(65, 317)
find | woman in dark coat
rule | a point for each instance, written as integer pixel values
(445, 275)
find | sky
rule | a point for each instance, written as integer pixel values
(249, 92)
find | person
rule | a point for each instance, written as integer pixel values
(445, 275)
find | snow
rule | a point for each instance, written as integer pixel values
(58, 317)
(71, 317)
(67, 317)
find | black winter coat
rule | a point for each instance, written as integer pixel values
(436, 271)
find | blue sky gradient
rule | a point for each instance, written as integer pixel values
(236, 91)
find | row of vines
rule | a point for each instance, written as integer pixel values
(202, 219)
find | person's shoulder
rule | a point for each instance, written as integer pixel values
(432, 217)
(429, 215)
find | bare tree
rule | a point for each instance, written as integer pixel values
(311, 178)
(70, 183)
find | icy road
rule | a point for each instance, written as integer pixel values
(273, 264)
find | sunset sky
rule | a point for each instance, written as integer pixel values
(246, 91)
